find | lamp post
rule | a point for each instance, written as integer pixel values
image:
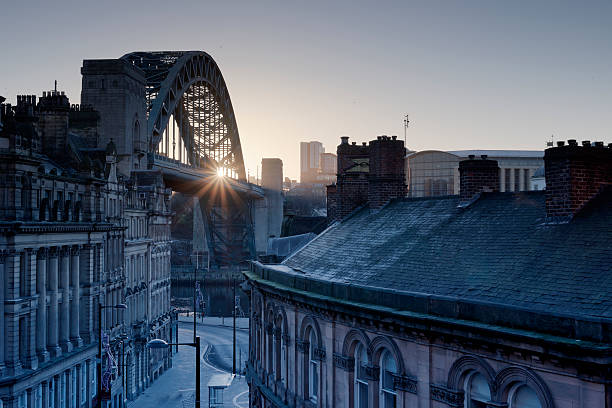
(163, 344)
(99, 365)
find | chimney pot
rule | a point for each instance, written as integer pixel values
(344, 139)
(394, 137)
(586, 143)
(472, 157)
(363, 143)
(560, 143)
(572, 142)
(484, 156)
(354, 143)
(378, 137)
(599, 144)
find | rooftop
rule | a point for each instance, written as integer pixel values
(499, 252)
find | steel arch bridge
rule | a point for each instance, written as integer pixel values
(190, 118)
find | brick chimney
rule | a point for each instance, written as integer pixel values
(575, 174)
(367, 175)
(387, 178)
(477, 176)
(352, 181)
(54, 110)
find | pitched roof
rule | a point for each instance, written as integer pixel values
(498, 250)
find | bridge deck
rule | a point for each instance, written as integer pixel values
(177, 173)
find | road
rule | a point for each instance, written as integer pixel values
(175, 388)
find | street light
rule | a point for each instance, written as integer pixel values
(122, 306)
(163, 344)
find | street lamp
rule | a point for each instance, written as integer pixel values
(163, 344)
(122, 306)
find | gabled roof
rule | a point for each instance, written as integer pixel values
(498, 250)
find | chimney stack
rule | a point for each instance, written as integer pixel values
(352, 180)
(575, 174)
(387, 178)
(367, 175)
(477, 176)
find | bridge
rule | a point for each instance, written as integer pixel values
(171, 112)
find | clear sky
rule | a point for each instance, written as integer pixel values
(471, 74)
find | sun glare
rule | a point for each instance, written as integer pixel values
(219, 171)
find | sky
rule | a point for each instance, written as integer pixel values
(471, 74)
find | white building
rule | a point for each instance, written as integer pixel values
(431, 173)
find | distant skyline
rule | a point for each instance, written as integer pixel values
(472, 74)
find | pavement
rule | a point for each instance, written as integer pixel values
(175, 388)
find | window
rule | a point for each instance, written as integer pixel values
(361, 382)
(388, 367)
(94, 383)
(62, 391)
(526, 179)
(517, 180)
(83, 383)
(284, 363)
(522, 396)
(51, 393)
(22, 400)
(477, 391)
(507, 185)
(73, 388)
(313, 370)
(38, 402)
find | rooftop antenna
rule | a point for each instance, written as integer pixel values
(406, 124)
(551, 143)
(56, 86)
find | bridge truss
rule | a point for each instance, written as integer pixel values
(190, 115)
(191, 123)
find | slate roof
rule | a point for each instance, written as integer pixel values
(500, 249)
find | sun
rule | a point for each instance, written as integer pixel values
(220, 172)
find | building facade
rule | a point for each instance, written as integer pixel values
(483, 299)
(432, 173)
(310, 160)
(63, 241)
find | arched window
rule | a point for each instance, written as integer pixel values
(388, 368)
(313, 369)
(361, 381)
(284, 360)
(522, 396)
(477, 391)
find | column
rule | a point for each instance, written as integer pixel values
(65, 308)
(41, 315)
(511, 186)
(11, 310)
(502, 184)
(3, 256)
(75, 305)
(53, 319)
(522, 186)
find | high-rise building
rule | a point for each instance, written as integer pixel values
(310, 160)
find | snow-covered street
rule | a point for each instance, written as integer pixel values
(176, 388)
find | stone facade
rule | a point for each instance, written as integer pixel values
(296, 339)
(483, 300)
(65, 213)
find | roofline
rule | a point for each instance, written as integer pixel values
(591, 332)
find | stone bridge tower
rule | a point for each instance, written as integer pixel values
(116, 89)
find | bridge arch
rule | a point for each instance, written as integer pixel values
(186, 94)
